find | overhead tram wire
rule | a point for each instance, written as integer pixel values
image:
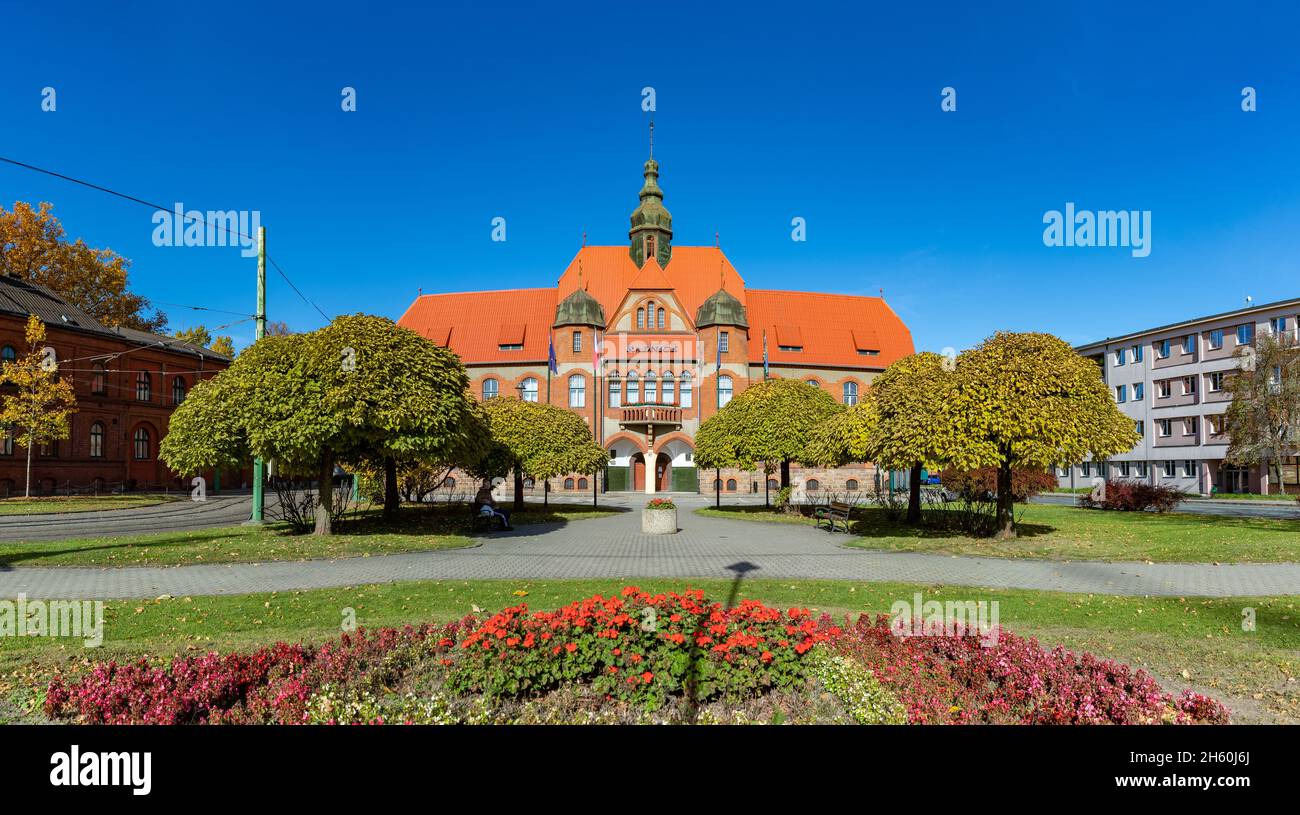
(158, 208)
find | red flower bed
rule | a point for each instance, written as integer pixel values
(955, 679)
(640, 648)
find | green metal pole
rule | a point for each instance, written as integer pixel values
(259, 496)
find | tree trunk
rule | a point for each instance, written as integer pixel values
(27, 493)
(785, 473)
(324, 493)
(1005, 518)
(519, 490)
(390, 488)
(914, 495)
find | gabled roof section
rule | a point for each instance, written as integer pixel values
(693, 274)
(651, 277)
(475, 323)
(831, 328)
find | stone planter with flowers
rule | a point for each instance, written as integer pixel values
(659, 517)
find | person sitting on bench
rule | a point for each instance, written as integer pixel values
(487, 506)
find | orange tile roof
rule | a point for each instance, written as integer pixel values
(831, 327)
(478, 322)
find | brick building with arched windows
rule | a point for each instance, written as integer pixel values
(650, 339)
(126, 382)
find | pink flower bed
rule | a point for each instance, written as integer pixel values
(956, 679)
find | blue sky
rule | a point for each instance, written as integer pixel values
(826, 112)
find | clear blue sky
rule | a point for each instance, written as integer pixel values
(830, 113)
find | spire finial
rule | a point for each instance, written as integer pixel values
(652, 138)
(584, 239)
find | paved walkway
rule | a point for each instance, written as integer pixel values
(613, 548)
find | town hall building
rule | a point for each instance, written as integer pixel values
(650, 339)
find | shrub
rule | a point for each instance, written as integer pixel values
(956, 679)
(982, 484)
(1135, 496)
(862, 695)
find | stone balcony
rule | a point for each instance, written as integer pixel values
(649, 416)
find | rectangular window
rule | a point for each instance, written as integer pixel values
(1137, 353)
(1119, 357)
(1277, 324)
(1167, 469)
(1142, 469)
(1162, 349)
(1189, 385)
(1086, 469)
(1246, 334)
(1190, 426)
(1215, 381)
(1189, 344)
(1139, 391)
(688, 393)
(1214, 424)
(651, 390)
(1123, 469)
(724, 341)
(577, 341)
(510, 346)
(615, 393)
(1141, 427)
(1121, 393)
(1163, 389)
(1164, 427)
(1189, 468)
(1216, 339)
(577, 392)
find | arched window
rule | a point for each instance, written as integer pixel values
(724, 390)
(8, 354)
(143, 386)
(814, 383)
(577, 391)
(582, 483)
(650, 314)
(814, 485)
(97, 440)
(7, 442)
(178, 390)
(529, 483)
(850, 393)
(651, 388)
(660, 324)
(640, 317)
(717, 483)
(687, 392)
(633, 388)
(615, 393)
(670, 389)
(98, 378)
(773, 484)
(528, 388)
(143, 450)
(568, 483)
(851, 484)
(491, 389)
(731, 485)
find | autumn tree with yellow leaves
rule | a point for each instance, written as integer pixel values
(42, 404)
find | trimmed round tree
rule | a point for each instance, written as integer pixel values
(1028, 400)
(361, 386)
(770, 421)
(536, 440)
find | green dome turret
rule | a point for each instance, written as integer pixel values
(579, 308)
(652, 224)
(721, 309)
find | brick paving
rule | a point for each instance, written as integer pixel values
(613, 548)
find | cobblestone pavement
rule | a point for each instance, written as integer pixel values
(614, 548)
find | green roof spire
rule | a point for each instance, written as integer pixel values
(652, 225)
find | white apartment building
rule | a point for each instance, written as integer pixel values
(1170, 381)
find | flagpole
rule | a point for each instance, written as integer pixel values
(550, 356)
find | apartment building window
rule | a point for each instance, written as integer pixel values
(577, 341)
(1163, 389)
(1189, 468)
(1139, 390)
(1167, 469)
(1190, 425)
(1123, 469)
(1246, 334)
(1119, 357)
(1277, 324)
(1215, 381)
(724, 342)
(529, 389)
(1141, 428)
(1142, 469)
(1162, 349)
(1164, 427)
(1086, 469)
(1121, 393)
(1189, 385)
(1063, 472)
(615, 393)
(1214, 424)
(491, 388)
(1137, 353)
(1216, 339)
(1189, 344)
(688, 391)
(577, 391)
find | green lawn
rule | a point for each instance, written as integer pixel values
(1066, 533)
(80, 503)
(443, 526)
(1184, 642)
(1247, 496)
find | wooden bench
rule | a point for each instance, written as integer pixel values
(835, 511)
(480, 521)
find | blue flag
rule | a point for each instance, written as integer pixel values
(551, 364)
(765, 353)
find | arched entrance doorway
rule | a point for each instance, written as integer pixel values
(663, 473)
(638, 472)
